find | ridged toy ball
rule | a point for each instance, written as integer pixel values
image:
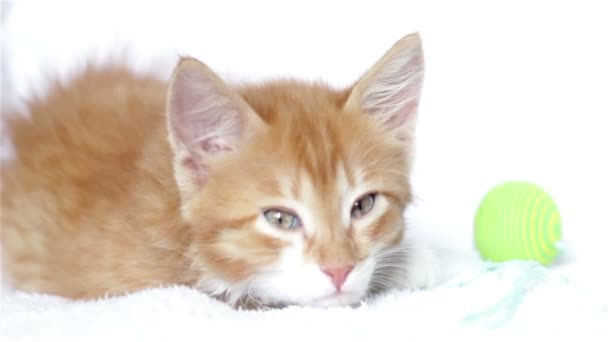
(518, 221)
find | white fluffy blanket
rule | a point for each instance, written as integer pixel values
(510, 301)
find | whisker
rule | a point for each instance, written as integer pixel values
(392, 266)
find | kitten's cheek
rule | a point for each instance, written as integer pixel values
(360, 279)
(293, 279)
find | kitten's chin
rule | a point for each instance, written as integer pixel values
(337, 299)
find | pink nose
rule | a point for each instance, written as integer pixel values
(338, 275)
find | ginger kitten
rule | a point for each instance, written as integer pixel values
(276, 193)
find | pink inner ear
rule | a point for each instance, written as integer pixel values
(403, 114)
(202, 110)
(391, 93)
(197, 169)
(215, 145)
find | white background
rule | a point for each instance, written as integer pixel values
(514, 89)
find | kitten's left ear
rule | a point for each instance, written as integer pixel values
(389, 92)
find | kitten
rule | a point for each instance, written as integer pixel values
(276, 193)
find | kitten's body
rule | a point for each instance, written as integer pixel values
(98, 200)
(89, 205)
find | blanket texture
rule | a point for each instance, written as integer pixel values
(499, 301)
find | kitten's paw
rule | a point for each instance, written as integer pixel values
(423, 268)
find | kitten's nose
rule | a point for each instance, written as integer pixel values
(338, 275)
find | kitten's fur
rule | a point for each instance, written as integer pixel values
(114, 188)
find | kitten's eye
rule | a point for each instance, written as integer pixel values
(363, 205)
(282, 219)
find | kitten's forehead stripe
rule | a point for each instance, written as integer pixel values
(344, 191)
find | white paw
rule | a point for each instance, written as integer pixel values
(423, 268)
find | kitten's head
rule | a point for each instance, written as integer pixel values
(295, 192)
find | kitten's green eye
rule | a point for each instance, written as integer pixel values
(363, 205)
(282, 219)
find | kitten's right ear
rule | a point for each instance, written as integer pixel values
(390, 91)
(205, 118)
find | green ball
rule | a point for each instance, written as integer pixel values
(518, 221)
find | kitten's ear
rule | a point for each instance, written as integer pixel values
(205, 119)
(390, 91)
